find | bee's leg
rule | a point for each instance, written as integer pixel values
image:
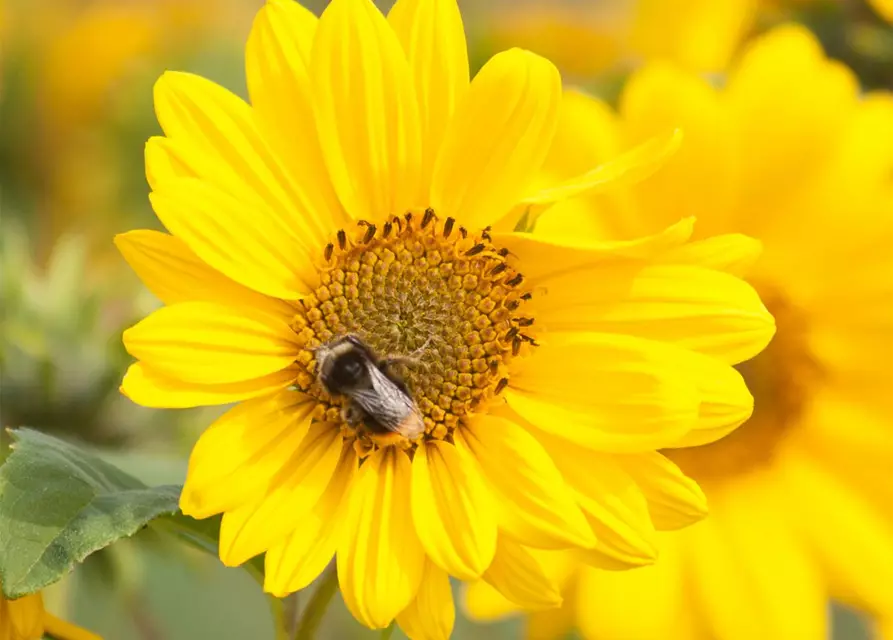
(352, 414)
(410, 360)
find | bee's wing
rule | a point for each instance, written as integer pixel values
(388, 405)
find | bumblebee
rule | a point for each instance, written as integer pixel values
(376, 397)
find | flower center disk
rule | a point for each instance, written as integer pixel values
(423, 289)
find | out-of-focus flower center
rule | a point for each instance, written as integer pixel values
(780, 379)
(423, 289)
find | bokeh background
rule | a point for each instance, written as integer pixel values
(75, 111)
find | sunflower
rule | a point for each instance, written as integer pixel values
(26, 619)
(800, 496)
(355, 196)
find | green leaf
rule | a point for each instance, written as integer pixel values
(59, 504)
(387, 632)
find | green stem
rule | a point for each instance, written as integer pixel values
(291, 614)
(316, 608)
(276, 609)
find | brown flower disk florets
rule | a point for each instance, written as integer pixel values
(421, 287)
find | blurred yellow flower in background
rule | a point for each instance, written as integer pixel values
(375, 220)
(67, 67)
(587, 38)
(701, 35)
(26, 619)
(593, 40)
(582, 39)
(801, 496)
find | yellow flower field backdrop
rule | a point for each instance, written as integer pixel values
(764, 177)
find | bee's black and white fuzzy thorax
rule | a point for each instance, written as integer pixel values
(375, 397)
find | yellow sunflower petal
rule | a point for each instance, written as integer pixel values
(452, 510)
(277, 59)
(153, 389)
(498, 139)
(607, 392)
(588, 135)
(718, 584)
(698, 34)
(380, 540)
(175, 274)
(59, 629)
(253, 528)
(357, 66)
(520, 577)
(163, 164)
(214, 133)
(648, 603)
(237, 456)
(786, 91)
(25, 616)
(547, 253)
(240, 239)
(533, 504)
(483, 603)
(613, 503)
(707, 311)
(862, 455)
(627, 169)
(753, 576)
(431, 615)
(433, 37)
(674, 500)
(294, 563)
(865, 159)
(726, 402)
(602, 218)
(853, 548)
(279, 44)
(732, 253)
(209, 343)
(657, 98)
